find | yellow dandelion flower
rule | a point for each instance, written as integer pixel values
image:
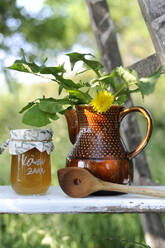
(102, 101)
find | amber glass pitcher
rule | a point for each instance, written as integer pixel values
(98, 146)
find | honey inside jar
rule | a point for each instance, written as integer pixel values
(31, 172)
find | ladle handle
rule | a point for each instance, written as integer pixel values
(132, 189)
(146, 139)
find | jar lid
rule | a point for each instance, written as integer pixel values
(23, 140)
(31, 134)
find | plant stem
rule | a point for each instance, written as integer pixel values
(122, 88)
(119, 90)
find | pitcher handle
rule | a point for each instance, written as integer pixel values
(146, 139)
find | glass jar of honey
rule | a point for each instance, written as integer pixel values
(30, 163)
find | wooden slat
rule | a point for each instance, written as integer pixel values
(153, 12)
(55, 201)
(147, 66)
(154, 234)
(105, 35)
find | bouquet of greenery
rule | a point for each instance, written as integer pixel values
(101, 92)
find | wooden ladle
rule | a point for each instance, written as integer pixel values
(78, 182)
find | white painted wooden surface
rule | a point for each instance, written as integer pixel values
(55, 201)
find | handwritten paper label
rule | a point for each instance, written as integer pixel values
(33, 166)
(32, 171)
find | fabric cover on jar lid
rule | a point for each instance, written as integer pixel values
(23, 140)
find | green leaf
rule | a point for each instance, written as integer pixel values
(82, 84)
(134, 91)
(154, 77)
(58, 70)
(126, 74)
(23, 66)
(64, 101)
(66, 83)
(60, 89)
(73, 100)
(64, 111)
(75, 57)
(35, 117)
(147, 85)
(83, 98)
(110, 82)
(96, 66)
(94, 83)
(120, 100)
(121, 89)
(29, 105)
(49, 106)
(53, 117)
(81, 72)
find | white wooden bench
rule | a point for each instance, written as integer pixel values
(55, 201)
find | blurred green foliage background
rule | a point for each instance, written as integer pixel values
(58, 27)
